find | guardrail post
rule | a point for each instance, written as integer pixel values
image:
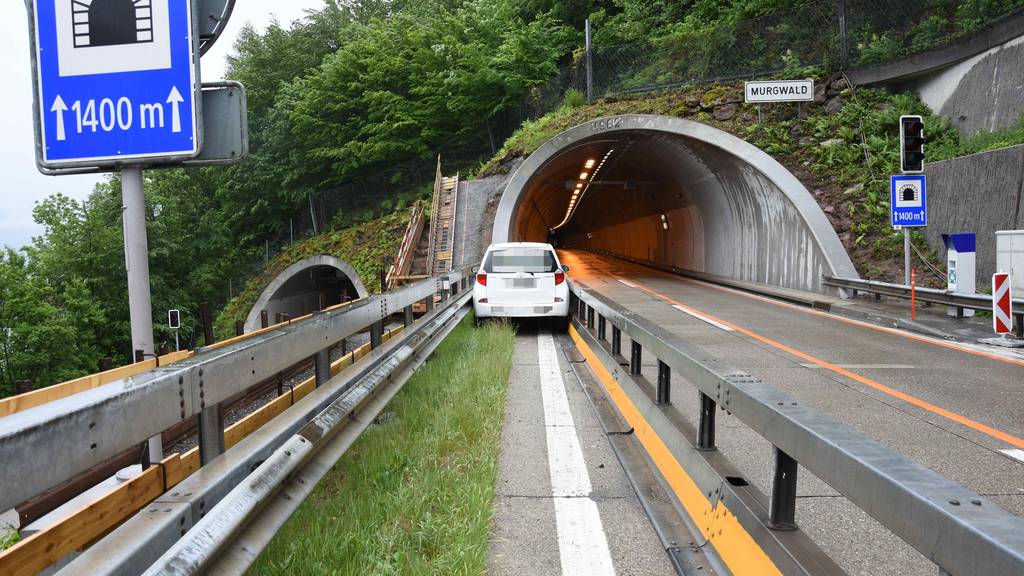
(635, 355)
(264, 319)
(664, 395)
(322, 366)
(601, 327)
(428, 302)
(376, 334)
(616, 340)
(1020, 326)
(407, 318)
(706, 425)
(590, 317)
(239, 327)
(211, 432)
(783, 506)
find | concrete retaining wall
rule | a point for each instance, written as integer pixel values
(980, 193)
(981, 94)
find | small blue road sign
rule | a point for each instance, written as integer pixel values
(909, 197)
(116, 82)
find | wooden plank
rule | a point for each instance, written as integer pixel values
(43, 548)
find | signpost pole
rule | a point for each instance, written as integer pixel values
(136, 261)
(906, 255)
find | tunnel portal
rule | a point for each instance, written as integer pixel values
(676, 194)
(306, 286)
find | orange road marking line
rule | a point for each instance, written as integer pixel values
(862, 324)
(985, 429)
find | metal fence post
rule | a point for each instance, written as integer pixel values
(844, 36)
(207, 322)
(601, 327)
(211, 432)
(706, 425)
(264, 319)
(783, 504)
(589, 59)
(590, 317)
(635, 355)
(616, 340)
(664, 394)
(407, 317)
(376, 334)
(429, 303)
(322, 366)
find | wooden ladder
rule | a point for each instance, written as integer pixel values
(442, 223)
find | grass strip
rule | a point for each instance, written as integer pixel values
(413, 494)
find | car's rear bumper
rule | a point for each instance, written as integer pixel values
(517, 310)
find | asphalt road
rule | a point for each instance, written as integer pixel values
(563, 504)
(958, 410)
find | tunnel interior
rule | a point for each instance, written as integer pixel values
(313, 289)
(304, 287)
(675, 194)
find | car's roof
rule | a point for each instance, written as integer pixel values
(520, 245)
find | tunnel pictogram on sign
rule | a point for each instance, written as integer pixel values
(111, 22)
(1002, 320)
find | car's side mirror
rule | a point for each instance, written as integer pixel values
(565, 267)
(476, 269)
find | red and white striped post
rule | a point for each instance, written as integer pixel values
(1002, 316)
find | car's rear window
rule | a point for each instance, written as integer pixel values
(520, 260)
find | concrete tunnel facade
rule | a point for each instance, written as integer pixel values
(674, 193)
(308, 285)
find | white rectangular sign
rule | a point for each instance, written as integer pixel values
(778, 91)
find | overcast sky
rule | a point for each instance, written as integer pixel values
(21, 185)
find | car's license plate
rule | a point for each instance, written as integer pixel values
(522, 283)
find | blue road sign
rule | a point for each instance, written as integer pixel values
(116, 82)
(909, 200)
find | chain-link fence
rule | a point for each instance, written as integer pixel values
(827, 34)
(884, 30)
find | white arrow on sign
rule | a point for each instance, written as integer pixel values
(174, 99)
(59, 107)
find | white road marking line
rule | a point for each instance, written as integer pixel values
(863, 366)
(582, 546)
(1015, 453)
(627, 283)
(704, 318)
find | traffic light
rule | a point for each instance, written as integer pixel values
(911, 144)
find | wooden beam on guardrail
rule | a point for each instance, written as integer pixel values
(106, 512)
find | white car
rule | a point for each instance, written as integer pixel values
(521, 280)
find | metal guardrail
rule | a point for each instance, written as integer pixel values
(56, 441)
(219, 519)
(960, 531)
(930, 295)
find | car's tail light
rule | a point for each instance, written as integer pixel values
(481, 279)
(483, 300)
(559, 278)
(557, 299)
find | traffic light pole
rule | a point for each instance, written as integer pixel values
(136, 263)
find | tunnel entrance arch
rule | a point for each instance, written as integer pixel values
(673, 193)
(308, 285)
